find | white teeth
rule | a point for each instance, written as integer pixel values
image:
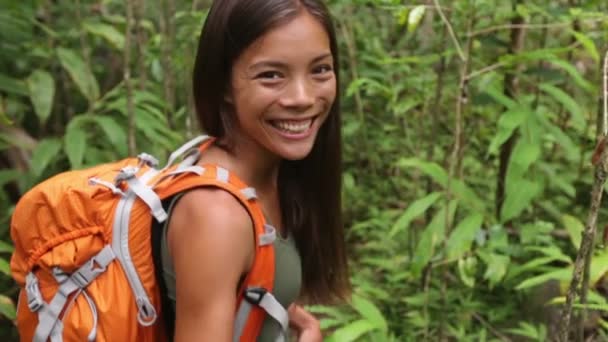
(291, 127)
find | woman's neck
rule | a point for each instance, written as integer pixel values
(251, 162)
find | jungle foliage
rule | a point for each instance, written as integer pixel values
(469, 127)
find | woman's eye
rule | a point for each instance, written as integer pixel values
(270, 75)
(322, 69)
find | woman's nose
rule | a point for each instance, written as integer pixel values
(298, 95)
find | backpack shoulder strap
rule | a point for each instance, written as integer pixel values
(255, 299)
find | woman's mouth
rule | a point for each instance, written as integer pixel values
(293, 128)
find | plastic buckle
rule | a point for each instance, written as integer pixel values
(147, 159)
(34, 297)
(254, 295)
(126, 173)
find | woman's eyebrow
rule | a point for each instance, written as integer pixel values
(278, 64)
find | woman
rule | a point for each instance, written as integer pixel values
(266, 86)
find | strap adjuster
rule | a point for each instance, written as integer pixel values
(35, 301)
(254, 295)
(126, 173)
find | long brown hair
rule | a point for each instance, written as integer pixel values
(309, 189)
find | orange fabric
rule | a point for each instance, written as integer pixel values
(64, 221)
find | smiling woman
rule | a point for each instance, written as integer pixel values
(266, 87)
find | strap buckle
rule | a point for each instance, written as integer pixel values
(34, 298)
(147, 159)
(126, 173)
(254, 295)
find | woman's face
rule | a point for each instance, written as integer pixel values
(283, 87)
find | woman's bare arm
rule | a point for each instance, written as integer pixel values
(211, 242)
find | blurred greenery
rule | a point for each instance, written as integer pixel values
(467, 147)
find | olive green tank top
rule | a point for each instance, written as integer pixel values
(287, 282)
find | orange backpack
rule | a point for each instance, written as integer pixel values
(83, 255)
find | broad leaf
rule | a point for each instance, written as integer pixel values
(575, 229)
(578, 115)
(107, 32)
(370, 312)
(588, 44)
(116, 133)
(7, 308)
(80, 73)
(414, 18)
(41, 88)
(352, 331)
(75, 143)
(13, 86)
(43, 155)
(507, 124)
(463, 236)
(519, 198)
(414, 210)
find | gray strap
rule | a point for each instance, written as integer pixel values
(93, 333)
(115, 190)
(275, 310)
(269, 236)
(222, 175)
(249, 193)
(146, 194)
(265, 300)
(57, 332)
(48, 316)
(184, 148)
(148, 159)
(241, 319)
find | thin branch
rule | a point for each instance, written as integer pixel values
(528, 26)
(451, 30)
(585, 250)
(605, 123)
(485, 70)
(127, 80)
(490, 328)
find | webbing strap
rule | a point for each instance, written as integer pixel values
(265, 300)
(222, 175)
(146, 194)
(184, 148)
(48, 315)
(249, 193)
(269, 236)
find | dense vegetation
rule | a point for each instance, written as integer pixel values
(469, 127)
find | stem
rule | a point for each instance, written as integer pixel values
(510, 89)
(166, 28)
(141, 42)
(352, 59)
(127, 80)
(450, 30)
(585, 250)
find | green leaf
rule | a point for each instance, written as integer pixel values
(116, 133)
(79, 73)
(561, 274)
(7, 176)
(41, 88)
(6, 247)
(439, 175)
(352, 331)
(370, 312)
(7, 307)
(13, 86)
(107, 32)
(5, 267)
(75, 143)
(414, 210)
(463, 236)
(496, 267)
(575, 229)
(43, 154)
(507, 124)
(431, 237)
(467, 267)
(575, 74)
(522, 194)
(578, 116)
(588, 44)
(414, 18)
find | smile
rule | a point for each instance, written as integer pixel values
(293, 126)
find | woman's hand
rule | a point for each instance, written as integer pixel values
(305, 324)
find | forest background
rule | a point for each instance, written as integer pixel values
(469, 128)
